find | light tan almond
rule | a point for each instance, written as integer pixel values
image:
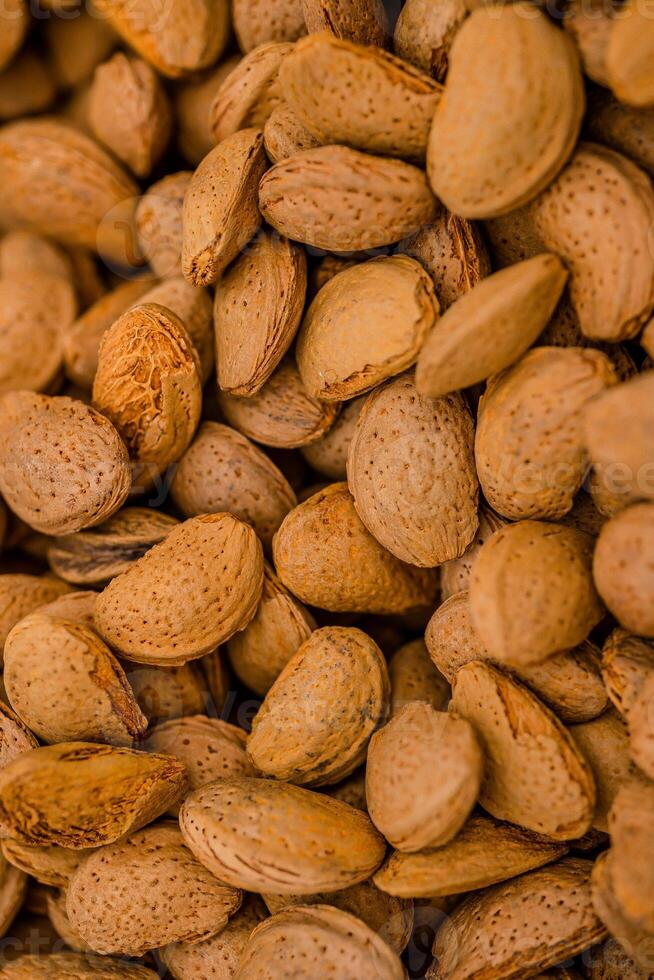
(635, 943)
(193, 99)
(411, 472)
(284, 134)
(423, 775)
(530, 447)
(159, 223)
(455, 574)
(77, 606)
(589, 25)
(629, 55)
(623, 567)
(483, 853)
(329, 454)
(63, 466)
(424, 33)
(529, 755)
(627, 660)
(22, 594)
(76, 45)
(15, 736)
(66, 684)
(363, 21)
(48, 865)
(271, 279)
(326, 557)
(641, 728)
(604, 742)
(414, 678)
(248, 95)
(24, 253)
(26, 86)
(521, 927)
(223, 471)
(322, 938)
(14, 21)
(366, 324)
(221, 213)
(627, 129)
(193, 307)
(631, 824)
(163, 693)
(185, 596)
(340, 199)
(80, 795)
(532, 592)
(317, 718)
(257, 21)
(281, 624)
(73, 966)
(282, 414)
(148, 385)
(360, 96)
(267, 836)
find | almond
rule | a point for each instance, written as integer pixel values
(363, 21)
(80, 966)
(414, 678)
(626, 662)
(640, 727)
(623, 567)
(80, 795)
(326, 557)
(610, 961)
(589, 25)
(193, 100)
(271, 278)
(627, 129)
(632, 829)
(14, 20)
(529, 755)
(320, 79)
(15, 737)
(13, 887)
(219, 560)
(424, 33)
(532, 593)
(317, 718)
(165, 693)
(159, 223)
(635, 942)
(494, 145)
(455, 574)
(77, 606)
(484, 852)
(366, 324)
(250, 92)
(22, 594)
(49, 865)
(413, 803)
(256, 22)
(144, 892)
(329, 454)
(629, 57)
(284, 134)
(193, 307)
(339, 199)
(411, 472)
(263, 835)
(221, 213)
(604, 742)
(26, 254)
(63, 466)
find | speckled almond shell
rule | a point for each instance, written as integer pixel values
(159, 223)
(491, 326)
(510, 114)
(329, 455)
(530, 448)
(455, 574)
(77, 606)
(339, 199)
(80, 795)
(284, 134)
(21, 594)
(144, 892)
(415, 678)
(257, 21)
(484, 852)
(221, 213)
(281, 624)
(192, 35)
(326, 557)
(48, 865)
(14, 20)
(148, 384)
(167, 692)
(424, 33)
(634, 942)
(529, 755)
(570, 683)
(627, 660)
(423, 775)
(250, 92)
(604, 743)
(282, 414)
(629, 57)
(623, 567)
(532, 592)
(185, 596)
(262, 835)
(366, 324)
(223, 471)
(319, 938)
(61, 184)
(359, 96)
(63, 466)
(66, 684)
(315, 723)
(74, 966)
(610, 961)
(411, 472)
(521, 927)
(194, 308)
(631, 823)
(363, 21)
(258, 306)
(34, 312)
(15, 736)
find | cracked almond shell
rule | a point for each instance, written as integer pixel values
(317, 719)
(529, 755)
(266, 836)
(366, 324)
(623, 567)
(250, 92)
(326, 557)
(63, 466)
(186, 595)
(193, 307)
(411, 472)
(80, 795)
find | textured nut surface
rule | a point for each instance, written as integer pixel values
(423, 775)
(455, 574)
(363, 21)
(65, 683)
(627, 660)
(411, 472)
(34, 312)
(284, 134)
(193, 307)
(79, 795)
(483, 853)
(21, 594)
(320, 713)
(634, 941)
(15, 736)
(338, 199)
(631, 822)
(49, 865)
(532, 593)
(258, 307)
(623, 567)
(146, 891)
(328, 455)
(414, 677)
(529, 755)
(256, 21)
(326, 557)
(424, 33)
(624, 128)
(74, 966)
(250, 92)
(63, 466)
(185, 596)
(159, 223)
(262, 835)
(604, 743)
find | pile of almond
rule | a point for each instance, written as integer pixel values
(326, 490)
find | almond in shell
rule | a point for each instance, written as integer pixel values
(627, 660)
(424, 33)
(414, 677)
(21, 594)
(623, 567)
(363, 21)
(256, 22)
(604, 742)
(159, 223)
(329, 454)
(193, 307)
(250, 92)
(163, 693)
(455, 574)
(76, 966)
(629, 56)
(14, 20)
(284, 134)
(52, 865)
(627, 129)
